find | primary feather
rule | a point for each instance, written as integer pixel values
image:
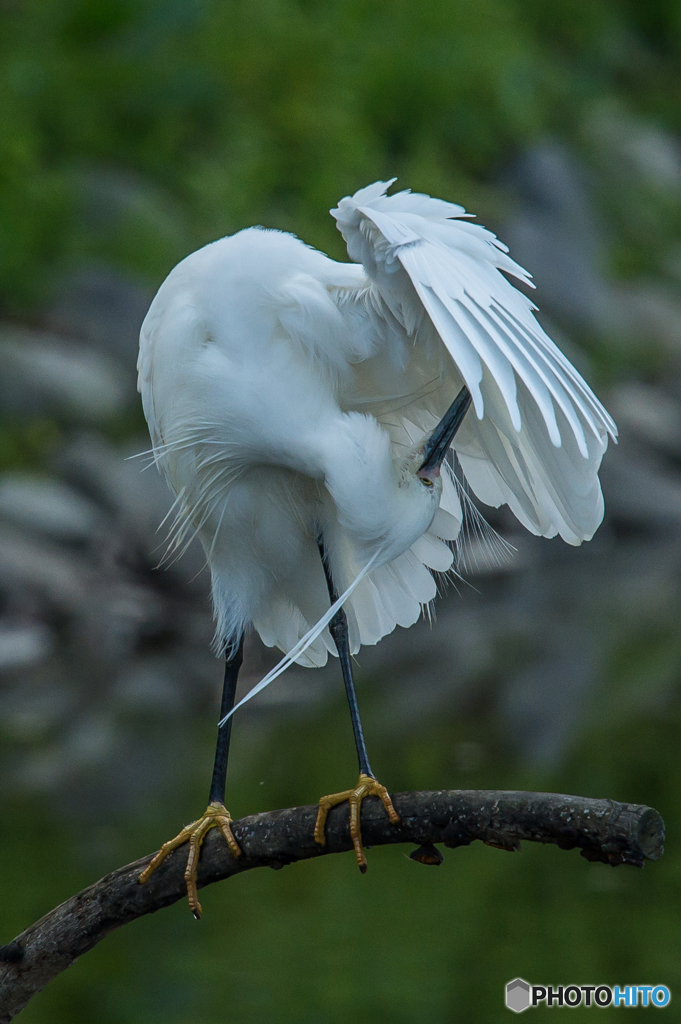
(285, 392)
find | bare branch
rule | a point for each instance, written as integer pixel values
(603, 830)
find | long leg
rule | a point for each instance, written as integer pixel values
(367, 785)
(338, 628)
(233, 663)
(216, 814)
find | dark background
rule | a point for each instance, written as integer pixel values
(130, 134)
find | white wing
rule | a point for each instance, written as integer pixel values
(540, 431)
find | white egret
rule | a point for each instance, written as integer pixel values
(301, 410)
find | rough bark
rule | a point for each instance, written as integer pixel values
(603, 830)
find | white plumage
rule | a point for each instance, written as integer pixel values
(289, 395)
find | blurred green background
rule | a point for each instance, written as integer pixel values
(131, 134)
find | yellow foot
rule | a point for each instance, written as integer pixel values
(365, 787)
(215, 816)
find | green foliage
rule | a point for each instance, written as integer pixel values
(27, 443)
(221, 114)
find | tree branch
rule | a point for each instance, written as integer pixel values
(603, 830)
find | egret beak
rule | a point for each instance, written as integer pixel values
(438, 443)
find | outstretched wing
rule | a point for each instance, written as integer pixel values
(540, 431)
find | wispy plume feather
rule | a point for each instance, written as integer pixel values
(304, 642)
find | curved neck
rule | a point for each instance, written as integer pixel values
(378, 499)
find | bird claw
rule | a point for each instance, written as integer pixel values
(216, 815)
(367, 786)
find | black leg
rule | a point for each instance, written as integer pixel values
(232, 665)
(338, 627)
(216, 815)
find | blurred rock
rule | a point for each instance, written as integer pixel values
(640, 491)
(42, 374)
(544, 704)
(136, 495)
(649, 414)
(554, 232)
(40, 570)
(34, 701)
(151, 684)
(102, 308)
(557, 233)
(651, 312)
(88, 743)
(119, 617)
(23, 644)
(48, 506)
(635, 148)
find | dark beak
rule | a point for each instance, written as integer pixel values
(439, 441)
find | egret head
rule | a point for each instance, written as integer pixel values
(419, 484)
(437, 444)
(382, 498)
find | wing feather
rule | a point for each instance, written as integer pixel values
(541, 432)
(461, 263)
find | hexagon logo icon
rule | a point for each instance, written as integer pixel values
(517, 995)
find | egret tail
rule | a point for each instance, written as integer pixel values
(304, 641)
